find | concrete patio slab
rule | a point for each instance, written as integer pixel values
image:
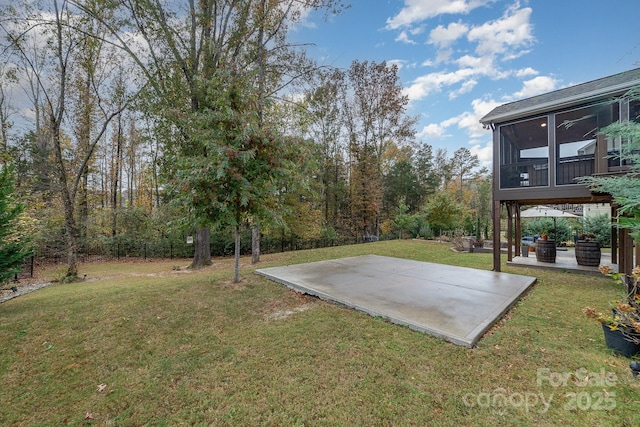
(455, 303)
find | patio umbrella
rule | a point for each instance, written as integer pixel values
(548, 212)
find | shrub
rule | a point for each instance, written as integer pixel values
(600, 226)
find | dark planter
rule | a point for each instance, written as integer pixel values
(524, 251)
(617, 342)
(588, 253)
(546, 250)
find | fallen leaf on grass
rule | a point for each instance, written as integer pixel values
(101, 387)
(88, 416)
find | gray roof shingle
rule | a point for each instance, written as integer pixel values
(567, 97)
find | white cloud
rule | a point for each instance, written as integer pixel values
(484, 65)
(484, 153)
(468, 121)
(503, 38)
(535, 86)
(430, 83)
(403, 37)
(490, 44)
(466, 87)
(445, 36)
(432, 131)
(506, 36)
(526, 72)
(415, 11)
(483, 107)
(471, 124)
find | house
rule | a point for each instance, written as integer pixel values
(542, 144)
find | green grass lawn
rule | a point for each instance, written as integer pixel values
(149, 344)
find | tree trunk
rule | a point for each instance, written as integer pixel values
(255, 243)
(236, 265)
(71, 229)
(255, 232)
(202, 250)
(115, 183)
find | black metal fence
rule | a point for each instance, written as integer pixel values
(170, 249)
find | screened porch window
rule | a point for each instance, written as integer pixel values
(524, 154)
(576, 134)
(614, 144)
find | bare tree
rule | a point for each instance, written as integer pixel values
(58, 32)
(375, 119)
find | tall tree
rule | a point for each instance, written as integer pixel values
(376, 117)
(324, 106)
(402, 183)
(442, 168)
(245, 163)
(187, 46)
(58, 28)
(443, 213)
(13, 246)
(423, 164)
(462, 165)
(7, 77)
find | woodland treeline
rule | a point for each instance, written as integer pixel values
(150, 119)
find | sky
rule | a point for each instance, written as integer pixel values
(459, 59)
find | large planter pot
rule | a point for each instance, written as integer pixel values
(546, 250)
(588, 253)
(616, 341)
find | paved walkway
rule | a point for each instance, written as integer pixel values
(455, 303)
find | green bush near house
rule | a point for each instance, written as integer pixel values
(560, 232)
(600, 227)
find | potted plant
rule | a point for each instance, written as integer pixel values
(622, 326)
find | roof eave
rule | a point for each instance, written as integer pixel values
(562, 103)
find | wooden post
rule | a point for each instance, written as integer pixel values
(601, 161)
(496, 235)
(509, 231)
(626, 252)
(614, 236)
(518, 237)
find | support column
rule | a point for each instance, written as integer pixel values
(626, 252)
(518, 236)
(510, 231)
(614, 236)
(496, 235)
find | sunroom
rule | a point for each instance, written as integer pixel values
(541, 145)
